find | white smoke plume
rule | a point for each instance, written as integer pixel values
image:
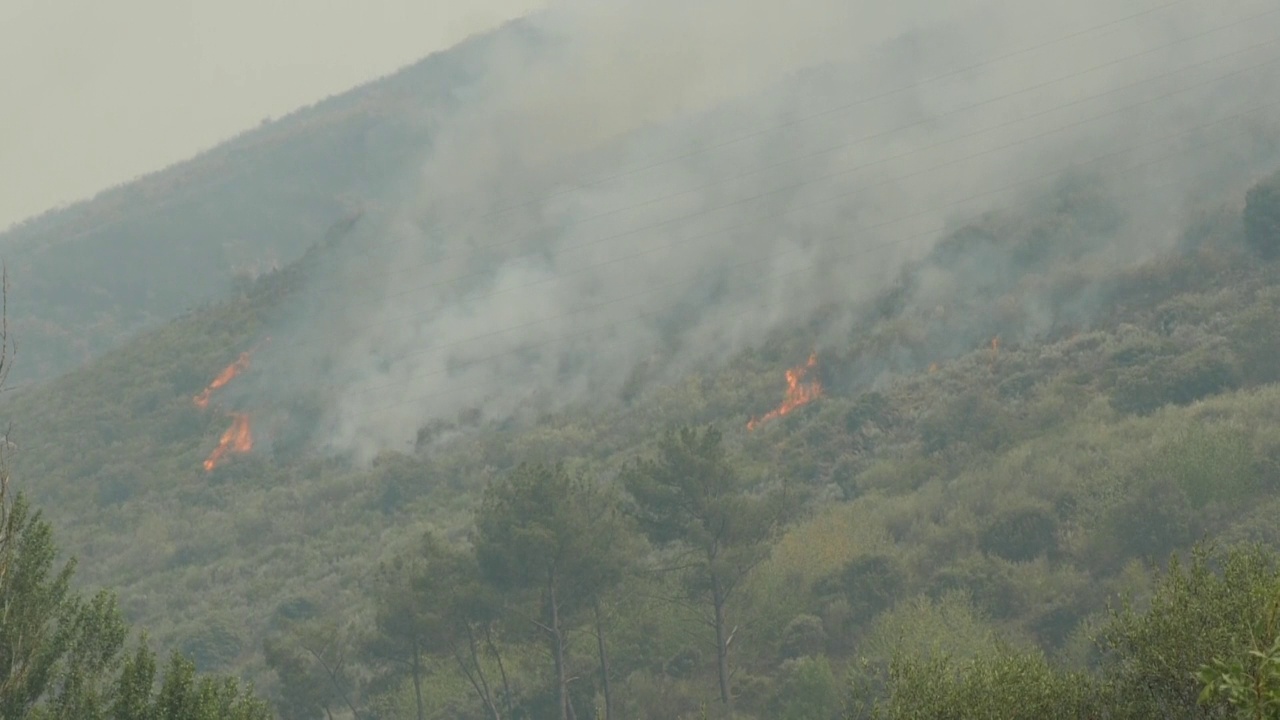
(665, 181)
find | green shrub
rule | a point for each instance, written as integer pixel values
(987, 580)
(1155, 519)
(1177, 380)
(921, 628)
(213, 646)
(684, 663)
(807, 690)
(1199, 612)
(1209, 463)
(975, 419)
(869, 584)
(871, 407)
(1021, 534)
(1000, 684)
(1255, 339)
(804, 635)
(898, 475)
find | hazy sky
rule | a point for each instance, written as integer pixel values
(96, 93)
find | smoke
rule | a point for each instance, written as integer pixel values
(660, 183)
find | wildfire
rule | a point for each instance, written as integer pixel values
(240, 365)
(799, 392)
(237, 439)
(995, 349)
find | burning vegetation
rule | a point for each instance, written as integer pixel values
(227, 375)
(239, 437)
(801, 390)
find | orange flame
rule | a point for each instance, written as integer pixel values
(240, 365)
(237, 439)
(995, 349)
(799, 393)
(933, 368)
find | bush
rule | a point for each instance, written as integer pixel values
(1200, 612)
(870, 407)
(213, 646)
(1021, 534)
(988, 580)
(1255, 339)
(1000, 684)
(974, 419)
(869, 584)
(1177, 380)
(1155, 520)
(1262, 217)
(683, 664)
(1210, 463)
(804, 635)
(807, 690)
(897, 475)
(647, 697)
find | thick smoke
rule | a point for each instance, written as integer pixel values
(664, 182)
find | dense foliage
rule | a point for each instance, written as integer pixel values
(63, 655)
(952, 529)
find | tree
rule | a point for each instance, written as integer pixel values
(807, 690)
(55, 647)
(1205, 610)
(408, 621)
(59, 652)
(690, 498)
(555, 535)
(1262, 216)
(1250, 684)
(996, 684)
(181, 695)
(431, 602)
(1250, 681)
(311, 658)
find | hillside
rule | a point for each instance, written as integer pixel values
(626, 363)
(1038, 466)
(500, 163)
(135, 256)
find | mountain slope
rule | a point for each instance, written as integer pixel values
(935, 446)
(86, 276)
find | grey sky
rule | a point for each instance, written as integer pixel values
(97, 93)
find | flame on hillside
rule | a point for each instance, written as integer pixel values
(227, 375)
(799, 392)
(237, 439)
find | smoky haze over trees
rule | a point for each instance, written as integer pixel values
(593, 214)
(678, 360)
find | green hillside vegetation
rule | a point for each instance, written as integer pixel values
(950, 531)
(63, 655)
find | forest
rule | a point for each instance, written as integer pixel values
(674, 361)
(1076, 522)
